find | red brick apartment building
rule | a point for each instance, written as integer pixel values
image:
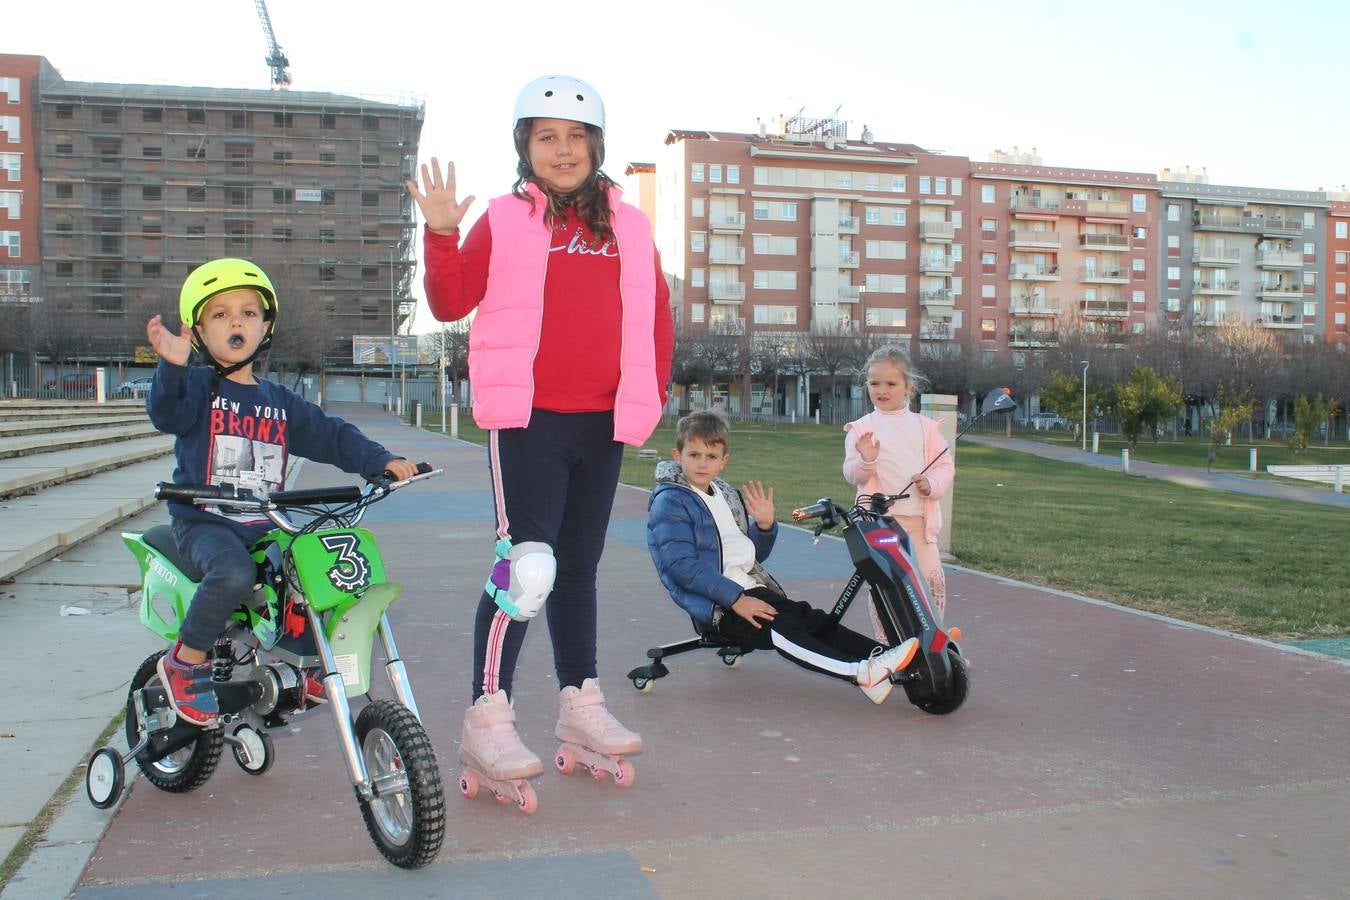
(20, 200)
(1338, 274)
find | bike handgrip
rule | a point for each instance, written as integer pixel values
(311, 496)
(423, 468)
(191, 493)
(819, 508)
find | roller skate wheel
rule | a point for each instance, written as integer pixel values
(501, 798)
(626, 775)
(528, 801)
(565, 761)
(468, 784)
(598, 773)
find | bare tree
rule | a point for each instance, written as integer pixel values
(831, 353)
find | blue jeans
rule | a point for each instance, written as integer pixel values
(228, 576)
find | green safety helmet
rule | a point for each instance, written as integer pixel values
(218, 276)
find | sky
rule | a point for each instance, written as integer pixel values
(1252, 91)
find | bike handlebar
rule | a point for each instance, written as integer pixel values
(312, 496)
(191, 493)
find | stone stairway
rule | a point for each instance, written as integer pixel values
(69, 470)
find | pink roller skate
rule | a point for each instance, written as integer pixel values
(592, 737)
(494, 756)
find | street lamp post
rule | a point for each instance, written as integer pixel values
(393, 345)
(1083, 424)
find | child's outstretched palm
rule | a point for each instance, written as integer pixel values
(440, 209)
(175, 348)
(759, 503)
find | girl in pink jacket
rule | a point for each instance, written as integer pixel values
(885, 450)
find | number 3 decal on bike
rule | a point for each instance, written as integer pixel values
(351, 571)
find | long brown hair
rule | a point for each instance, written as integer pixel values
(591, 200)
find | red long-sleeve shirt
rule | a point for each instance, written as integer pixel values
(576, 368)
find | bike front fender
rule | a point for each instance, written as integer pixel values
(352, 635)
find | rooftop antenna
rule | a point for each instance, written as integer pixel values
(276, 60)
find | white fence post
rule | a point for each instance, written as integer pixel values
(1252, 465)
(1096, 437)
(1125, 460)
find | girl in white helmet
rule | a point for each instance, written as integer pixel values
(568, 357)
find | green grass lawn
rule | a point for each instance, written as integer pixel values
(1250, 564)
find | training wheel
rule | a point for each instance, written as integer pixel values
(254, 753)
(468, 784)
(104, 778)
(565, 761)
(626, 775)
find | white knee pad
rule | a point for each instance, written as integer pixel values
(532, 571)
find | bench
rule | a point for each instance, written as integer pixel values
(1336, 475)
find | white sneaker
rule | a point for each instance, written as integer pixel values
(874, 673)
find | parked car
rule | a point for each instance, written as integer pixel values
(1047, 420)
(74, 384)
(136, 387)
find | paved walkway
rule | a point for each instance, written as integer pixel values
(1103, 752)
(1223, 479)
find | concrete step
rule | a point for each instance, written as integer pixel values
(67, 423)
(24, 410)
(37, 527)
(66, 440)
(26, 474)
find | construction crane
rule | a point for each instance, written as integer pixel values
(276, 60)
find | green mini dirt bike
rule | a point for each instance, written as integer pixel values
(306, 636)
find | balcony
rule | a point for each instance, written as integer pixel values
(1211, 254)
(1028, 306)
(849, 293)
(939, 298)
(849, 225)
(1223, 218)
(936, 264)
(1114, 209)
(1100, 241)
(1279, 291)
(726, 256)
(1033, 337)
(1104, 275)
(727, 223)
(1207, 318)
(726, 291)
(1108, 308)
(848, 259)
(1281, 321)
(726, 324)
(1033, 272)
(1281, 226)
(936, 331)
(1214, 286)
(1279, 259)
(1021, 238)
(937, 231)
(1032, 204)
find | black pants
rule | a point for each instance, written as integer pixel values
(553, 482)
(801, 633)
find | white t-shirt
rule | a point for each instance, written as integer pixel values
(738, 551)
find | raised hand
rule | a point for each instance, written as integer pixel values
(440, 209)
(759, 503)
(174, 348)
(869, 448)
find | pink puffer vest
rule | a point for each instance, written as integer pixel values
(504, 337)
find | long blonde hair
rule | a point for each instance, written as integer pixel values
(896, 356)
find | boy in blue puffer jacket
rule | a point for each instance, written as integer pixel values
(708, 541)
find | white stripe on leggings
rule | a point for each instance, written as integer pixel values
(796, 651)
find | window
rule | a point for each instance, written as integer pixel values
(196, 232)
(1340, 319)
(196, 194)
(698, 278)
(1139, 203)
(715, 174)
(1342, 230)
(1137, 296)
(1174, 245)
(65, 228)
(370, 273)
(774, 244)
(13, 164)
(696, 173)
(1309, 281)
(327, 273)
(65, 191)
(65, 111)
(925, 184)
(698, 241)
(370, 123)
(151, 270)
(370, 160)
(987, 291)
(789, 212)
(1309, 250)
(327, 121)
(940, 186)
(198, 152)
(281, 235)
(897, 217)
(1141, 233)
(696, 312)
(65, 269)
(873, 181)
(65, 149)
(733, 174)
(1174, 274)
(988, 328)
(282, 119)
(327, 236)
(370, 198)
(282, 196)
(988, 193)
(1174, 212)
(872, 216)
(1137, 265)
(775, 315)
(196, 116)
(1309, 220)
(282, 156)
(761, 210)
(11, 86)
(1310, 309)
(109, 116)
(152, 114)
(238, 120)
(1340, 289)
(956, 187)
(239, 196)
(1174, 304)
(989, 228)
(697, 208)
(328, 198)
(328, 158)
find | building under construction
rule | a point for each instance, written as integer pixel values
(140, 183)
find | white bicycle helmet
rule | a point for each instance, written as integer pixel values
(560, 97)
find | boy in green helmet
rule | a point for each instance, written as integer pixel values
(232, 428)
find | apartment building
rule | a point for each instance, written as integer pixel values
(140, 183)
(801, 228)
(1244, 254)
(1060, 248)
(1338, 270)
(20, 273)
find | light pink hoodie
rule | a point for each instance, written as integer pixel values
(886, 428)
